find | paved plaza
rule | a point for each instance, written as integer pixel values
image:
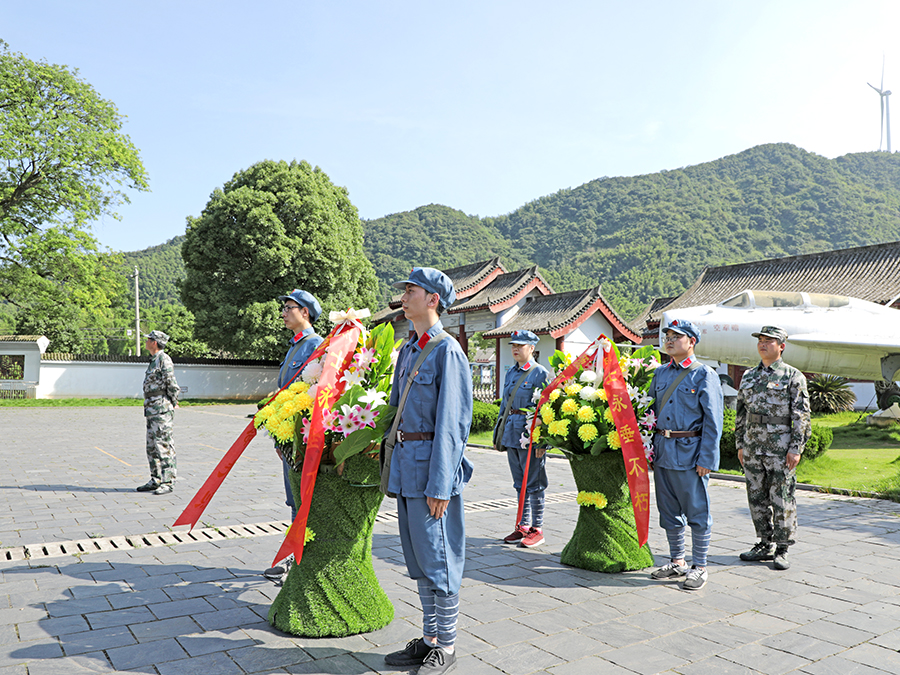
(172, 604)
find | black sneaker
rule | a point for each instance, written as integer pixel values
(437, 662)
(149, 486)
(781, 561)
(412, 655)
(762, 551)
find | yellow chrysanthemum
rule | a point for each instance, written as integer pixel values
(595, 499)
(261, 416)
(308, 536)
(536, 434)
(613, 439)
(283, 396)
(569, 407)
(559, 428)
(289, 409)
(298, 387)
(607, 415)
(273, 422)
(285, 431)
(586, 414)
(555, 394)
(572, 389)
(601, 394)
(304, 401)
(588, 433)
(547, 414)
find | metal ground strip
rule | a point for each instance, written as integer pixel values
(205, 534)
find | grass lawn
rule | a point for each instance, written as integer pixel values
(860, 458)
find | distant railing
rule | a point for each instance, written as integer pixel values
(12, 389)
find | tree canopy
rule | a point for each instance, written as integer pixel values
(273, 227)
(63, 162)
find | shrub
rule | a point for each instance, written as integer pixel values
(830, 394)
(484, 416)
(818, 442)
(728, 458)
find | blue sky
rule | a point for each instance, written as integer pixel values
(482, 106)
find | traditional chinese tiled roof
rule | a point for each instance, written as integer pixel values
(468, 279)
(867, 272)
(504, 291)
(20, 338)
(386, 315)
(642, 321)
(559, 314)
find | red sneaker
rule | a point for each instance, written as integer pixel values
(517, 535)
(535, 537)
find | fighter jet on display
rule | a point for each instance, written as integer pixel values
(832, 334)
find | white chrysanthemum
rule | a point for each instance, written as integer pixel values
(588, 377)
(587, 393)
(312, 372)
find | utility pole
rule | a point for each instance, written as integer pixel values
(137, 314)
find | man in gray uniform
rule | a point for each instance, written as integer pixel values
(160, 400)
(771, 430)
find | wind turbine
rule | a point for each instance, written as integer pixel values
(884, 96)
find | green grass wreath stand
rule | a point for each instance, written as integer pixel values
(605, 540)
(333, 591)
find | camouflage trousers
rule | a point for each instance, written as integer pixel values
(770, 494)
(161, 448)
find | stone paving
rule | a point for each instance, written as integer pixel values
(200, 607)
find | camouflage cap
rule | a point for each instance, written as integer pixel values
(773, 332)
(158, 336)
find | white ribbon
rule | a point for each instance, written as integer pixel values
(351, 317)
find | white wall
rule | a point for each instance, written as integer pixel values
(87, 379)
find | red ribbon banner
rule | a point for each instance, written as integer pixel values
(201, 500)
(626, 425)
(632, 445)
(337, 359)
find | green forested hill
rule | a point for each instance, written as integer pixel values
(644, 236)
(160, 268)
(649, 236)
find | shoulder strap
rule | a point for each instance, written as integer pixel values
(293, 352)
(500, 428)
(671, 390)
(391, 438)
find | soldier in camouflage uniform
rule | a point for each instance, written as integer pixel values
(771, 430)
(160, 401)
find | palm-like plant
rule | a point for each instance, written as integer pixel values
(830, 394)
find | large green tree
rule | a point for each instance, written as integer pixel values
(273, 227)
(63, 163)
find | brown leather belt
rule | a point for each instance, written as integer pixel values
(668, 433)
(753, 418)
(417, 436)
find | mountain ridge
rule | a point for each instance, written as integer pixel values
(642, 237)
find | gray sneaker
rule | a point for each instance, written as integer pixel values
(670, 571)
(696, 579)
(781, 561)
(163, 489)
(762, 551)
(437, 662)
